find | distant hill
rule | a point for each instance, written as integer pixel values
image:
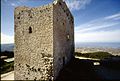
(7, 47)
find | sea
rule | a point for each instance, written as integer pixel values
(98, 44)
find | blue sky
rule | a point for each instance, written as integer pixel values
(94, 20)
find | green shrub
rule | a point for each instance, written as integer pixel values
(98, 55)
(7, 67)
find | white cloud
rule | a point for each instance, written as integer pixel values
(103, 36)
(99, 23)
(94, 31)
(5, 39)
(22, 1)
(96, 27)
(77, 4)
(114, 16)
(14, 3)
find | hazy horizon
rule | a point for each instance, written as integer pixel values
(89, 44)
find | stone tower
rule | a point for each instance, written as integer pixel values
(44, 41)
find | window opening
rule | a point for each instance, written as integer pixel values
(68, 37)
(30, 30)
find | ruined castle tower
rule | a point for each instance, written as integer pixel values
(44, 41)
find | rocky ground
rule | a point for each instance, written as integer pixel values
(81, 69)
(113, 51)
(8, 76)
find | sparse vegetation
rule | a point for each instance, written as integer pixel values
(6, 67)
(9, 54)
(98, 55)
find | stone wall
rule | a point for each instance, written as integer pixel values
(63, 30)
(44, 41)
(34, 43)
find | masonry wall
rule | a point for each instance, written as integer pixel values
(63, 30)
(34, 43)
(44, 41)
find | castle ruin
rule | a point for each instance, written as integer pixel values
(44, 40)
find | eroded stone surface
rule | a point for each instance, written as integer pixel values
(44, 41)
